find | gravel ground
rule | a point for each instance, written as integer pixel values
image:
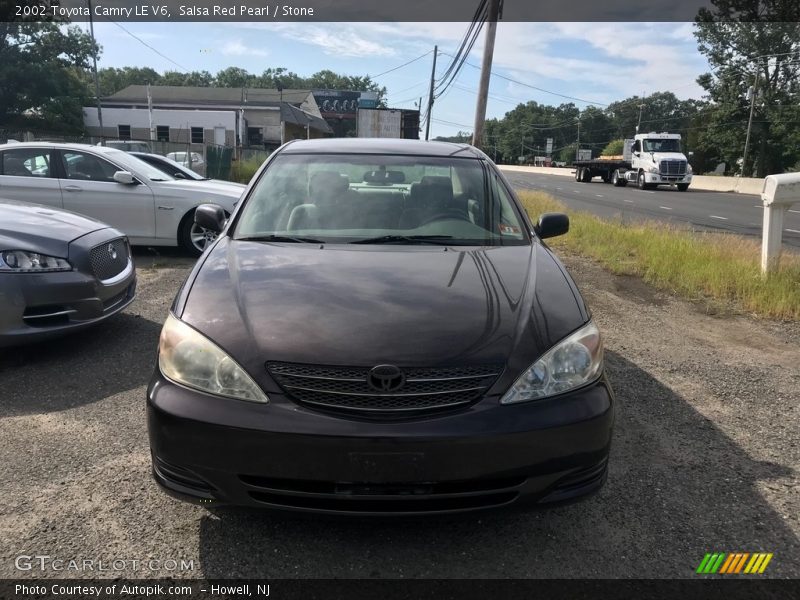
(705, 458)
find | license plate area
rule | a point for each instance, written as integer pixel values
(385, 467)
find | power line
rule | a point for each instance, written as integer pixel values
(467, 42)
(413, 60)
(136, 37)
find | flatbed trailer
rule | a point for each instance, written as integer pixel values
(608, 169)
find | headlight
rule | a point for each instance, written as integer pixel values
(571, 363)
(689, 169)
(653, 169)
(22, 261)
(189, 358)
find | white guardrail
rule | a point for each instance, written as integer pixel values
(779, 193)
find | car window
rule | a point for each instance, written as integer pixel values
(26, 162)
(87, 167)
(352, 198)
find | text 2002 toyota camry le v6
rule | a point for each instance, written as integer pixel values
(379, 330)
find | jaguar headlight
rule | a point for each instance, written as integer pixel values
(22, 261)
(187, 357)
(573, 362)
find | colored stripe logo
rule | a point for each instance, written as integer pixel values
(734, 563)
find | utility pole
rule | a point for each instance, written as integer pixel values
(486, 71)
(94, 73)
(578, 149)
(150, 113)
(430, 95)
(641, 108)
(752, 92)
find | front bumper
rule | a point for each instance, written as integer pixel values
(212, 451)
(664, 179)
(39, 306)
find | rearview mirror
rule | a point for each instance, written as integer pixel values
(551, 225)
(124, 177)
(210, 216)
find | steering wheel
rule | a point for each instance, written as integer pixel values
(441, 216)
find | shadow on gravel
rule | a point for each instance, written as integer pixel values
(80, 368)
(678, 488)
(151, 257)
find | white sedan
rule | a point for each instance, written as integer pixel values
(149, 206)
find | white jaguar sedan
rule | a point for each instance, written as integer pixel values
(151, 207)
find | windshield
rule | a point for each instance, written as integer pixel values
(654, 145)
(137, 166)
(380, 199)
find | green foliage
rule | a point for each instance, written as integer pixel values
(113, 80)
(736, 36)
(614, 148)
(44, 81)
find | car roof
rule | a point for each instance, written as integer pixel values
(381, 146)
(60, 146)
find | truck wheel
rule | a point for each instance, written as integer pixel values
(577, 173)
(682, 187)
(642, 183)
(586, 175)
(616, 179)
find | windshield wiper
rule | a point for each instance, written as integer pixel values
(414, 239)
(280, 238)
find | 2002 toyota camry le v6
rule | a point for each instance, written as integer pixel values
(379, 329)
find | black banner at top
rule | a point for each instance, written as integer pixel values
(380, 10)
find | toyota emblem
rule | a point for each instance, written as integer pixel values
(386, 378)
(112, 252)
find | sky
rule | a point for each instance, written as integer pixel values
(597, 63)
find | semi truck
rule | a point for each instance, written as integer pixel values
(648, 160)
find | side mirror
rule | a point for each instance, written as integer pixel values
(551, 225)
(210, 216)
(124, 177)
(179, 175)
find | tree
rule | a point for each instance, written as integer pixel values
(113, 80)
(43, 70)
(235, 77)
(614, 148)
(752, 43)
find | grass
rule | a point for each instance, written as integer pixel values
(242, 171)
(719, 269)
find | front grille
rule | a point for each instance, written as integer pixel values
(673, 167)
(347, 389)
(109, 258)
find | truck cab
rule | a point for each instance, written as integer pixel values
(657, 159)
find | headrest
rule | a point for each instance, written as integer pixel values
(326, 182)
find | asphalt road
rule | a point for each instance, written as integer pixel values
(739, 213)
(705, 458)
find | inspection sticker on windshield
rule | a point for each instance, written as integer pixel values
(508, 229)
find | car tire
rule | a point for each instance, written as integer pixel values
(193, 238)
(682, 187)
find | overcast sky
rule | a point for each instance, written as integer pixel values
(596, 62)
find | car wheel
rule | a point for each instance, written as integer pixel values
(682, 187)
(193, 238)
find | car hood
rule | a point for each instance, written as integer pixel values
(43, 229)
(659, 156)
(367, 305)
